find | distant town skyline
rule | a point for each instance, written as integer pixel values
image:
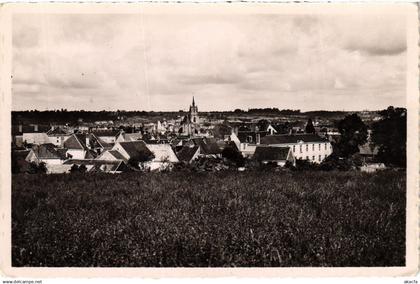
(227, 62)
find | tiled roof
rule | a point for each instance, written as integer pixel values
(267, 153)
(135, 148)
(76, 141)
(116, 154)
(163, 152)
(106, 132)
(29, 129)
(48, 151)
(368, 149)
(104, 144)
(20, 154)
(295, 138)
(56, 131)
(157, 141)
(187, 153)
(207, 146)
(132, 136)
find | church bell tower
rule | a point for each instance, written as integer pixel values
(194, 113)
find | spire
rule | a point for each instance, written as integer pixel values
(193, 104)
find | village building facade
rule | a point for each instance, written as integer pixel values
(304, 146)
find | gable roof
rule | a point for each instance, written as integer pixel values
(163, 152)
(106, 132)
(135, 148)
(132, 136)
(48, 151)
(289, 139)
(368, 149)
(56, 131)
(187, 153)
(116, 154)
(208, 146)
(267, 153)
(76, 141)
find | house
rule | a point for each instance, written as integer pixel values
(111, 155)
(188, 153)
(107, 135)
(57, 136)
(77, 147)
(208, 147)
(273, 154)
(127, 137)
(270, 129)
(304, 146)
(46, 153)
(249, 141)
(233, 138)
(97, 144)
(132, 149)
(30, 134)
(164, 157)
(368, 152)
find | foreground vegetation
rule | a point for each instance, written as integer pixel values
(209, 219)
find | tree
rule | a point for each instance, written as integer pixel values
(390, 134)
(42, 168)
(37, 168)
(233, 155)
(263, 124)
(138, 161)
(353, 133)
(74, 169)
(309, 127)
(82, 168)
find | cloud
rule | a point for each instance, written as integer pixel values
(225, 61)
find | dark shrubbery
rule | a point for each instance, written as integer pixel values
(34, 168)
(216, 219)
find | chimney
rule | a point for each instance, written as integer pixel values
(257, 138)
(36, 128)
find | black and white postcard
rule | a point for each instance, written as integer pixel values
(224, 139)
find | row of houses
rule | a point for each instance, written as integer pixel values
(112, 150)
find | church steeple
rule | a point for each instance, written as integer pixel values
(194, 112)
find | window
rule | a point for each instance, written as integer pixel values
(307, 147)
(313, 147)
(313, 158)
(249, 139)
(307, 158)
(300, 147)
(319, 158)
(319, 147)
(325, 146)
(294, 148)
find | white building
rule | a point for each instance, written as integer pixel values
(304, 146)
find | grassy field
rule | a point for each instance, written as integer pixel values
(209, 219)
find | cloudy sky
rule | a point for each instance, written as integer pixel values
(158, 62)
